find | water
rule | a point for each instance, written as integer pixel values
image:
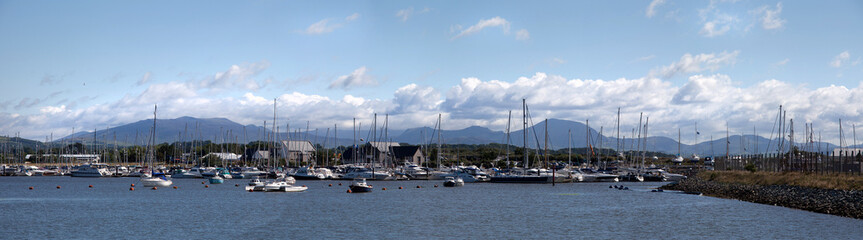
(476, 211)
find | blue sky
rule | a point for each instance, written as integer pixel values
(102, 63)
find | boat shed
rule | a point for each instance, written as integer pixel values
(302, 151)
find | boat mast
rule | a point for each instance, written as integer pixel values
(524, 123)
(508, 122)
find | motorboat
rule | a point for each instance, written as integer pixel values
(453, 182)
(256, 184)
(182, 173)
(366, 173)
(281, 185)
(92, 170)
(360, 185)
(591, 175)
(468, 174)
(217, 180)
(659, 175)
(157, 179)
(311, 173)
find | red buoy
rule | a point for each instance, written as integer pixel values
(154, 188)
(133, 185)
(400, 188)
(202, 182)
(349, 191)
(340, 184)
(418, 186)
(58, 186)
(236, 185)
(206, 186)
(91, 186)
(304, 185)
(31, 188)
(131, 189)
(175, 187)
(331, 184)
(384, 189)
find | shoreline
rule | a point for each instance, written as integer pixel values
(845, 203)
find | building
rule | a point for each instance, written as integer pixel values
(302, 151)
(410, 154)
(379, 152)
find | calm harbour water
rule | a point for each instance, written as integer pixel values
(476, 211)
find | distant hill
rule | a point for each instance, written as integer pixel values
(224, 130)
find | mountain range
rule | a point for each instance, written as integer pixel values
(559, 131)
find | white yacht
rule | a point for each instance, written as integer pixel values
(156, 180)
(311, 173)
(282, 185)
(367, 173)
(453, 182)
(92, 170)
(591, 175)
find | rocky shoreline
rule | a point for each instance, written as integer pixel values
(836, 202)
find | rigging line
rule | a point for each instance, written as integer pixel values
(770, 141)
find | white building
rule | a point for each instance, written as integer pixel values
(302, 151)
(846, 152)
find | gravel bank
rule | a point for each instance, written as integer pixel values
(836, 202)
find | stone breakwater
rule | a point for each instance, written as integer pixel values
(836, 202)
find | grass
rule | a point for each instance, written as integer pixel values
(813, 180)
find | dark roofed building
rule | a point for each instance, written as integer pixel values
(411, 154)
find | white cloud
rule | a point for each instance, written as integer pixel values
(484, 23)
(405, 14)
(327, 26)
(770, 18)
(698, 63)
(352, 17)
(144, 79)
(651, 9)
(357, 78)
(782, 63)
(709, 99)
(715, 22)
(840, 59)
(522, 35)
(237, 76)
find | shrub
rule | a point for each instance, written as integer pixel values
(750, 167)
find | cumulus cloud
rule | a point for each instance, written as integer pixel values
(770, 18)
(715, 22)
(651, 9)
(709, 99)
(328, 25)
(357, 78)
(840, 59)
(698, 63)
(485, 23)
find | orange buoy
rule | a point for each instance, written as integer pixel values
(91, 186)
(202, 182)
(175, 187)
(131, 189)
(384, 189)
(340, 184)
(31, 188)
(133, 185)
(435, 185)
(349, 191)
(331, 184)
(58, 186)
(206, 186)
(250, 190)
(236, 185)
(418, 186)
(154, 188)
(400, 188)
(304, 185)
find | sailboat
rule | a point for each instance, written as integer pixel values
(679, 158)
(516, 176)
(154, 179)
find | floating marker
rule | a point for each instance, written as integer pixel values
(58, 186)
(175, 187)
(331, 184)
(91, 186)
(131, 189)
(206, 186)
(418, 186)
(384, 189)
(133, 185)
(154, 188)
(31, 188)
(236, 185)
(349, 191)
(400, 188)
(435, 185)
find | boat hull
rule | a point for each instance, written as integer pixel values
(156, 182)
(522, 179)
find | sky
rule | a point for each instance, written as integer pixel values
(81, 65)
